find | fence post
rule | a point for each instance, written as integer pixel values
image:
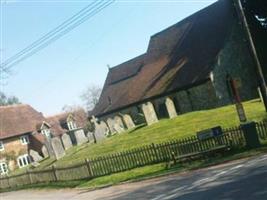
(54, 170)
(155, 151)
(87, 162)
(8, 183)
(29, 175)
(251, 135)
(173, 158)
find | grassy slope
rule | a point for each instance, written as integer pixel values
(167, 129)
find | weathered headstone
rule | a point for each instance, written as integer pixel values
(45, 151)
(149, 113)
(170, 107)
(111, 123)
(66, 141)
(49, 148)
(118, 124)
(80, 136)
(35, 156)
(58, 148)
(101, 130)
(128, 121)
(115, 124)
(91, 137)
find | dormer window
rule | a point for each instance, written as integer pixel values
(24, 139)
(46, 132)
(2, 148)
(71, 125)
(45, 129)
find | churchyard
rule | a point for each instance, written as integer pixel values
(141, 139)
(167, 129)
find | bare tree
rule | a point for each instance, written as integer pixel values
(71, 108)
(91, 95)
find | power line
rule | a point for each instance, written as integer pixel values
(45, 40)
(65, 27)
(46, 36)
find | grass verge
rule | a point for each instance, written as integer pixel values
(143, 173)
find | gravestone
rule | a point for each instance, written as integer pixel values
(45, 151)
(49, 148)
(66, 141)
(58, 148)
(111, 124)
(118, 124)
(91, 137)
(115, 124)
(170, 108)
(35, 156)
(128, 121)
(149, 113)
(101, 130)
(80, 137)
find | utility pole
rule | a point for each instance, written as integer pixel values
(263, 86)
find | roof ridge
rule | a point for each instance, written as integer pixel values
(125, 62)
(184, 19)
(57, 115)
(14, 105)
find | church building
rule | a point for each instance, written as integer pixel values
(186, 68)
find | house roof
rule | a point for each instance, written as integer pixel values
(177, 57)
(54, 122)
(18, 119)
(58, 122)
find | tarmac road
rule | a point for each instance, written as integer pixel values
(243, 179)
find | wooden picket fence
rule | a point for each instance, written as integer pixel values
(126, 160)
(262, 130)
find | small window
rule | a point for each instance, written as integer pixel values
(72, 125)
(24, 160)
(2, 148)
(24, 139)
(3, 168)
(46, 132)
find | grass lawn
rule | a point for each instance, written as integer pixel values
(166, 129)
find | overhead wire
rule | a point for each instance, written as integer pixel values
(56, 33)
(50, 33)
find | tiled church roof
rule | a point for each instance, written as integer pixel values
(18, 119)
(177, 57)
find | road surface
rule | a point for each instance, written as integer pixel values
(243, 179)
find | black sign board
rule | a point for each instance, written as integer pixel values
(209, 133)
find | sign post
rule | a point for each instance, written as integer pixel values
(238, 104)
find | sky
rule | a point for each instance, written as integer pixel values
(59, 74)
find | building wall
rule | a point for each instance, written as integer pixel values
(197, 98)
(13, 149)
(236, 60)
